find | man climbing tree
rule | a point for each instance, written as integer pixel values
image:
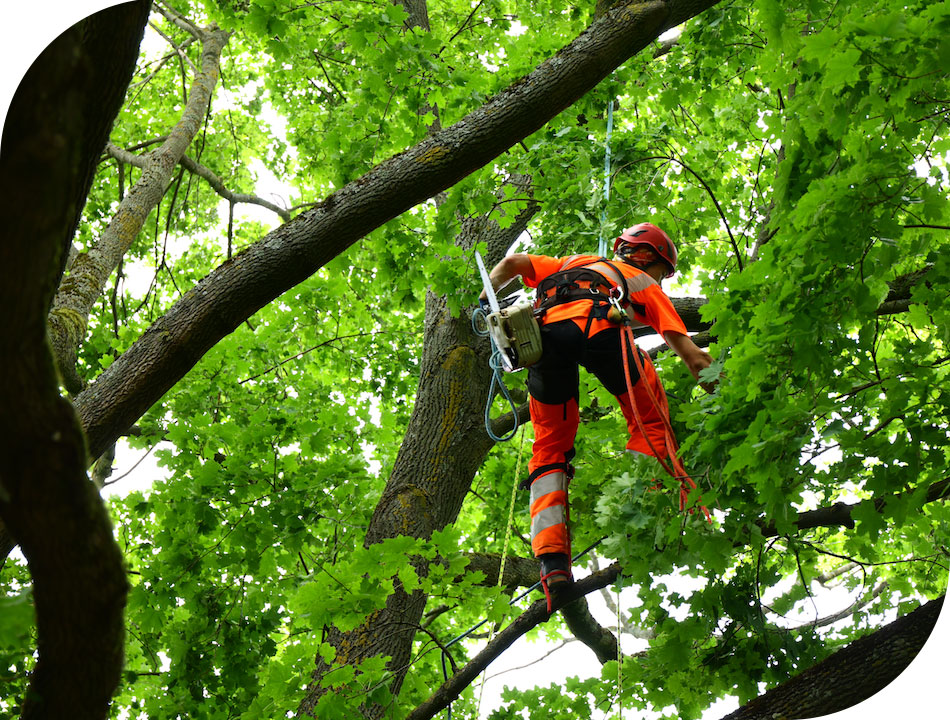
(579, 301)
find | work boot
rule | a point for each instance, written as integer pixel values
(556, 578)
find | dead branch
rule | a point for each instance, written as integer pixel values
(140, 161)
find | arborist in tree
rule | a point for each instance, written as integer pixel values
(578, 305)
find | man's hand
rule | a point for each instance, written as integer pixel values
(694, 357)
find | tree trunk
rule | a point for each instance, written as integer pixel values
(849, 676)
(443, 447)
(57, 124)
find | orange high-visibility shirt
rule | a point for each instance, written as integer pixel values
(650, 304)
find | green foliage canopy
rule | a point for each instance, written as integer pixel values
(798, 154)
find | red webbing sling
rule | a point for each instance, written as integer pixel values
(675, 467)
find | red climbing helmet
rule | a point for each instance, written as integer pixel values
(649, 234)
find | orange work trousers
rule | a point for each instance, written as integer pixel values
(553, 385)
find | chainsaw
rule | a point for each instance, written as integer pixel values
(514, 330)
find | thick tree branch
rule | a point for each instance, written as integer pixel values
(585, 628)
(843, 680)
(524, 572)
(58, 122)
(519, 571)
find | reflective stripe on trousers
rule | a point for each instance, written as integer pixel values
(550, 514)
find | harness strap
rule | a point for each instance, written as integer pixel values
(566, 287)
(621, 282)
(564, 467)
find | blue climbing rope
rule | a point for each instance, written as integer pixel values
(480, 327)
(602, 244)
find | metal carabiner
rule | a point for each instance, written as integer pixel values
(614, 295)
(614, 299)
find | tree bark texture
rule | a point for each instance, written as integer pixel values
(849, 676)
(90, 271)
(418, 11)
(58, 122)
(444, 444)
(293, 252)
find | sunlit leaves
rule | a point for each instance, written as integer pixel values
(804, 143)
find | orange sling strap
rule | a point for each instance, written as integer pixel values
(675, 467)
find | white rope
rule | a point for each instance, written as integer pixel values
(504, 556)
(619, 654)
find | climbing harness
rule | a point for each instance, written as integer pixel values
(582, 282)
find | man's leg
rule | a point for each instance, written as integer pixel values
(553, 388)
(604, 358)
(555, 427)
(655, 440)
(648, 436)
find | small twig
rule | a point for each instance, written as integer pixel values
(546, 655)
(131, 469)
(304, 352)
(178, 49)
(330, 82)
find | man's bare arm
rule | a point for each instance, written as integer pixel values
(509, 267)
(693, 356)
